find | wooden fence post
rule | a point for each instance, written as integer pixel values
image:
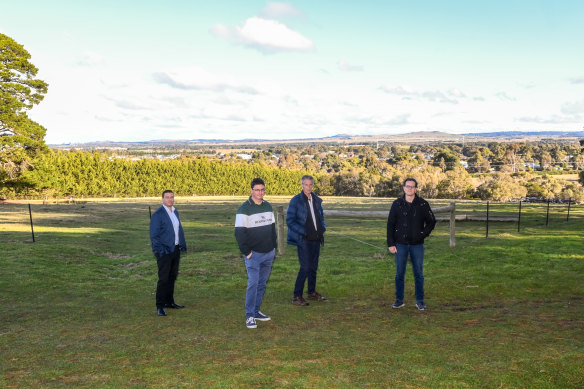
(452, 224)
(569, 204)
(487, 233)
(280, 229)
(519, 218)
(31, 225)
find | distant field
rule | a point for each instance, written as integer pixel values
(568, 177)
(78, 305)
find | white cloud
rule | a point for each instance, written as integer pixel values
(577, 80)
(398, 90)
(265, 35)
(573, 108)
(106, 118)
(377, 120)
(455, 92)
(398, 120)
(129, 105)
(554, 119)
(90, 59)
(220, 31)
(505, 97)
(407, 93)
(276, 10)
(438, 96)
(196, 78)
(349, 68)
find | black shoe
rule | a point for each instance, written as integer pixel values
(174, 305)
(161, 312)
(397, 304)
(299, 300)
(315, 296)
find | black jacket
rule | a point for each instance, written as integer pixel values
(409, 223)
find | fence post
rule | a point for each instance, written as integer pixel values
(487, 234)
(519, 218)
(452, 224)
(569, 204)
(280, 229)
(547, 216)
(31, 225)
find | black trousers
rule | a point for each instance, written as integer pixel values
(167, 274)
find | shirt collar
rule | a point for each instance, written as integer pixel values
(253, 202)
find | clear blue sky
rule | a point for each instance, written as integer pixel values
(143, 70)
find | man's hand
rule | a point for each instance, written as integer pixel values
(392, 249)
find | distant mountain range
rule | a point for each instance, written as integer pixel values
(519, 134)
(408, 138)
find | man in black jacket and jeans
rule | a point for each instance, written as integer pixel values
(410, 221)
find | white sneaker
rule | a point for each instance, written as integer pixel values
(261, 317)
(250, 323)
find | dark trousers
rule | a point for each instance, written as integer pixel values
(167, 273)
(308, 253)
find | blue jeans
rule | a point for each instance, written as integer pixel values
(308, 252)
(416, 253)
(259, 267)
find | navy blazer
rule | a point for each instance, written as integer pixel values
(162, 233)
(296, 217)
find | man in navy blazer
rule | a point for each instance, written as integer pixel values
(168, 240)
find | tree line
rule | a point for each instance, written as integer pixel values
(75, 173)
(59, 173)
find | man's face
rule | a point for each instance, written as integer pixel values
(168, 200)
(257, 193)
(410, 188)
(307, 186)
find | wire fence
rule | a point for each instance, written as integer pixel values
(18, 221)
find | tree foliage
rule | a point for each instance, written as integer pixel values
(21, 139)
(93, 174)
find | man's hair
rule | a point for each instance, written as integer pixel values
(411, 179)
(167, 191)
(306, 177)
(257, 181)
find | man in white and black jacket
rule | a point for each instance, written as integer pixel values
(410, 221)
(255, 232)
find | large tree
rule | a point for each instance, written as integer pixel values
(21, 139)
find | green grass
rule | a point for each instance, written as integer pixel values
(78, 305)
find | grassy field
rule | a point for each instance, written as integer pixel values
(78, 305)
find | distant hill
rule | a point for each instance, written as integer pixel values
(408, 138)
(522, 134)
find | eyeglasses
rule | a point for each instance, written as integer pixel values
(259, 190)
(409, 186)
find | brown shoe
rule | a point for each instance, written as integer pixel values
(316, 297)
(299, 300)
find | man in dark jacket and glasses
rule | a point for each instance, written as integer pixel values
(410, 221)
